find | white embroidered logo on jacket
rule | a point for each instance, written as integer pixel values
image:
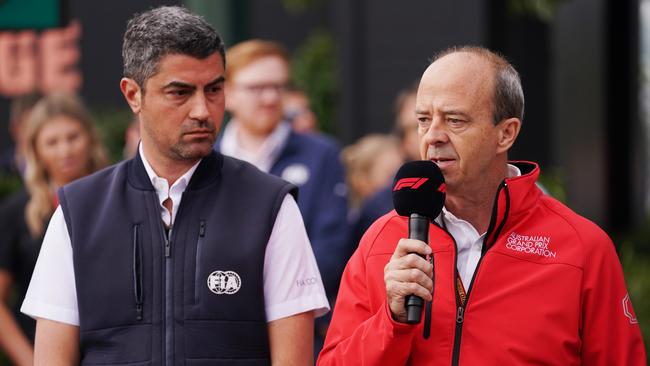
(532, 244)
(224, 282)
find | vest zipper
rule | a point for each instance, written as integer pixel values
(168, 245)
(197, 269)
(169, 298)
(137, 273)
(460, 310)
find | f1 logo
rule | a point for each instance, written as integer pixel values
(413, 183)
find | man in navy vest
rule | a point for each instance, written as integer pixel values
(179, 255)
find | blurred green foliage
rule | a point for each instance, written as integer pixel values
(544, 10)
(112, 123)
(9, 184)
(552, 180)
(314, 70)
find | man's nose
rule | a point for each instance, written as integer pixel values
(437, 133)
(199, 109)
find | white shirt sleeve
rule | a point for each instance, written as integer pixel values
(52, 292)
(292, 282)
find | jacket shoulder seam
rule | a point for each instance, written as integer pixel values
(572, 226)
(376, 236)
(541, 264)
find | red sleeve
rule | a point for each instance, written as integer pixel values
(360, 333)
(610, 332)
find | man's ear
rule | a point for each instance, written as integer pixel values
(508, 132)
(132, 94)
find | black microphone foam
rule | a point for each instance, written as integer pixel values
(419, 188)
(418, 193)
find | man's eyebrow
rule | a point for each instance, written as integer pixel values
(218, 80)
(457, 112)
(179, 84)
(421, 111)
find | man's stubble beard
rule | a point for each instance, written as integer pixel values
(188, 151)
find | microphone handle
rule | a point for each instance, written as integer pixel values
(418, 229)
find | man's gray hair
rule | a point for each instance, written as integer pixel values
(508, 97)
(162, 31)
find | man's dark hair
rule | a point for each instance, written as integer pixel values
(508, 97)
(162, 31)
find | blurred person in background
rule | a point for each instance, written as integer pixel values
(297, 110)
(406, 130)
(61, 145)
(370, 165)
(406, 123)
(131, 138)
(257, 78)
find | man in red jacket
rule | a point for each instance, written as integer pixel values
(519, 278)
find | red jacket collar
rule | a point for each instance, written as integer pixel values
(515, 196)
(523, 190)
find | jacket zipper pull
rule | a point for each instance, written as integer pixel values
(460, 315)
(168, 247)
(138, 309)
(202, 229)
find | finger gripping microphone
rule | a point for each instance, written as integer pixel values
(419, 194)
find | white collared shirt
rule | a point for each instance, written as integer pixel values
(289, 263)
(164, 191)
(468, 241)
(267, 153)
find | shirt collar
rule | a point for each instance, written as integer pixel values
(265, 155)
(180, 184)
(511, 172)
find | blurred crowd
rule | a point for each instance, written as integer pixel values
(272, 126)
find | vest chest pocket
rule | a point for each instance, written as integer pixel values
(227, 275)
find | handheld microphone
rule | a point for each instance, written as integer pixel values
(419, 194)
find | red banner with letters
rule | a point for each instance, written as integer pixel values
(46, 61)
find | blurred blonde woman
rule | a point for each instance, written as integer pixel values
(61, 145)
(370, 165)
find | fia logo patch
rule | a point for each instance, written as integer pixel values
(224, 282)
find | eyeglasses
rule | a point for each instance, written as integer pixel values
(258, 89)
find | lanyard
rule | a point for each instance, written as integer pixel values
(460, 289)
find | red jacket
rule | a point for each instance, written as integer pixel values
(548, 290)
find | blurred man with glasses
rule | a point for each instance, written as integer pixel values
(257, 78)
